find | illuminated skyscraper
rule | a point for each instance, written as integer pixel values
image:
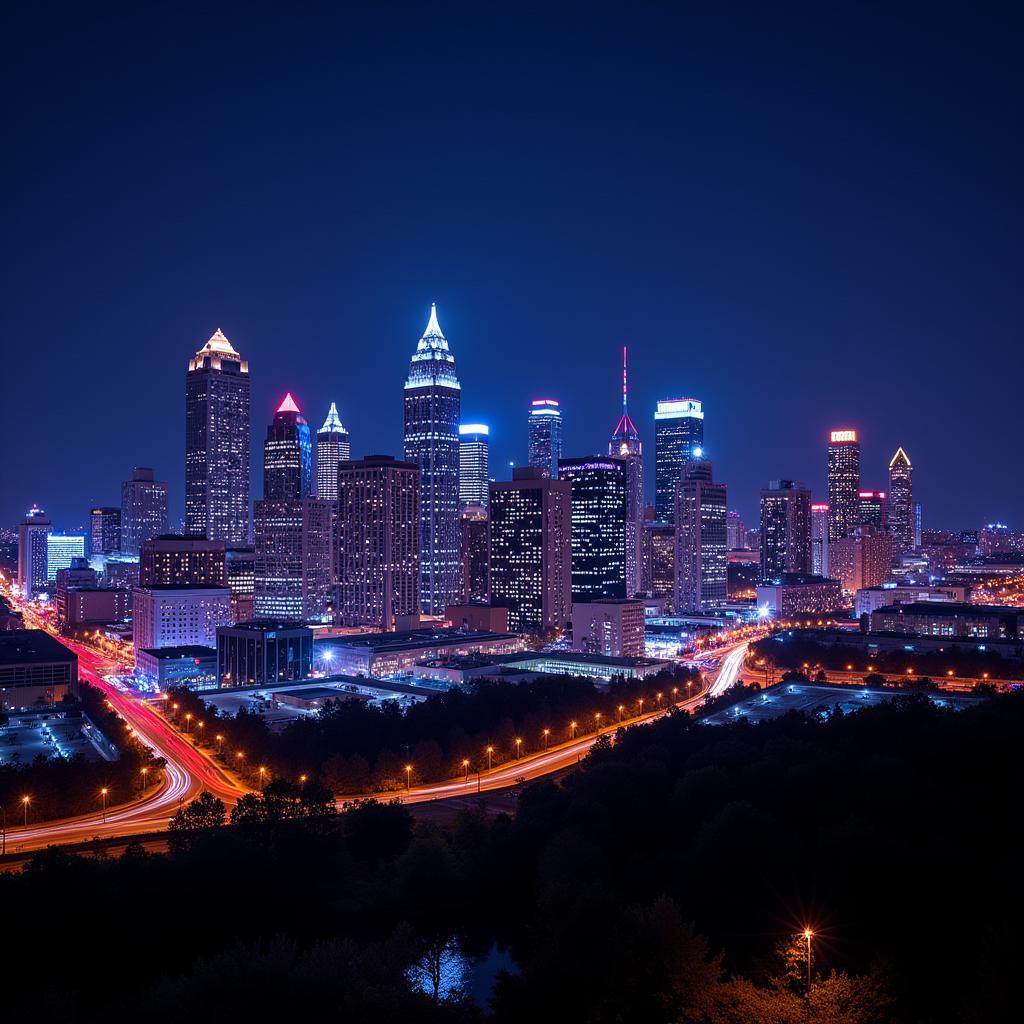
(332, 448)
(678, 438)
(873, 509)
(104, 531)
(531, 550)
(735, 531)
(544, 443)
(598, 525)
(901, 501)
(701, 551)
(785, 529)
(32, 551)
(143, 510)
(287, 455)
(819, 538)
(474, 464)
(476, 554)
(217, 443)
(61, 550)
(843, 483)
(625, 444)
(432, 404)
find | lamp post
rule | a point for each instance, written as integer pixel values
(597, 721)
(25, 801)
(408, 777)
(808, 935)
(519, 747)
(263, 777)
(547, 733)
(465, 765)
(572, 730)
(490, 754)
(188, 721)
(220, 743)
(103, 796)
(622, 707)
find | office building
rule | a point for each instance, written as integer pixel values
(790, 594)
(143, 510)
(173, 616)
(785, 528)
(917, 524)
(843, 483)
(625, 444)
(176, 561)
(873, 509)
(598, 526)
(901, 502)
(188, 665)
(953, 621)
(870, 599)
(78, 574)
(217, 444)
(661, 554)
(377, 542)
(531, 550)
(819, 538)
(678, 438)
(474, 464)
(544, 436)
(333, 447)
(735, 532)
(432, 406)
(240, 566)
(263, 653)
(86, 608)
(33, 532)
(862, 559)
(294, 560)
(475, 554)
(35, 670)
(701, 551)
(104, 531)
(287, 455)
(614, 628)
(61, 550)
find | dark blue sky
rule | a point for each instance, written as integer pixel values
(806, 218)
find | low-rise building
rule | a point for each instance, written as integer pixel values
(486, 617)
(189, 665)
(862, 559)
(179, 616)
(611, 626)
(797, 594)
(870, 599)
(35, 669)
(595, 666)
(968, 621)
(384, 654)
(263, 652)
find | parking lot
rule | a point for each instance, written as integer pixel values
(26, 737)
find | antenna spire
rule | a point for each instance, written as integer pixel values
(624, 392)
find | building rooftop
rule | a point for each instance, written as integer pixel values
(411, 639)
(796, 579)
(267, 625)
(582, 658)
(20, 646)
(184, 651)
(949, 608)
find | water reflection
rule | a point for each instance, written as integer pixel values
(445, 972)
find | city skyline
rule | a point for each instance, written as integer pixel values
(735, 294)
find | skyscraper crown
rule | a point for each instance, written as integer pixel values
(432, 362)
(288, 405)
(333, 424)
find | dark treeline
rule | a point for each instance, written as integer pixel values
(353, 748)
(784, 651)
(664, 881)
(57, 788)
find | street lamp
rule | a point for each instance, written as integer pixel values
(622, 707)
(547, 733)
(465, 764)
(572, 730)
(25, 801)
(263, 776)
(408, 777)
(597, 721)
(490, 753)
(103, 794)
(188, 720)
(303, 778)
(641, 703)
(220, 743)
(519, 747)
(808, 935)
(144, 773)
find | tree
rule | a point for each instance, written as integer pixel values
(204, 813)
(378, 831)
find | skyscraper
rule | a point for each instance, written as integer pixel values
(625, 444)
(61, 550)
(32, 551)
(901, 501)
(377, 541)
(678, 438)
(476, 554)
(531, 550)
(143, 509)
(873, 509)
(173, 561)
(332, 448)
(287, 455)
(432, 405)
(104, 531)
(785, 529)
(735, 531)
(217, 443)
(819, 538)
(544, 441)
(474, 464)
(598, 525)
(843, 482)
(861, 559)
(701, 549)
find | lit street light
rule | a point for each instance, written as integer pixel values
(808, 934)
(188, 720)
(547, 733)
(263, 777)
(490, 753)
(572, 730)
(465, 764)
(519, 747)
(408, 777)
(25, 801)
(103, 794)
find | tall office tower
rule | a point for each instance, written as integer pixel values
(294, 561)
(701, 547)
(646, 551)
(843, 482)
(917, 524)
(678, 438)
(662, 544)
(474, 464)
(143, 510)
(61, 550)
(625, 444)
(598, 526)
(32, 551)
(287, 455)
(819, 538)
(332, 448)
(544, 440)
(901, 501)
(531, 550)
(785, 528)
(217, 443)
(862, 559)
(475, 549)
(432, 404)
(873, 509)
(735, 531)
(377, 541)
(104, 531)
(174, 561)
(240, 566)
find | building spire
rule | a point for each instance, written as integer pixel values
(288, 405)
(333, 424)
(433, 328)
(900, 456)
(625, 410)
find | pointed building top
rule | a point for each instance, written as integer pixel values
(219, 343)
(900, 456)
(333, 424)
(433, 328)
(432, 362)
(288, 405)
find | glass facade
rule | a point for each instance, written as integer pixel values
(333, 446)
(678, 438)
(545, 436)
(843, 483)
(287, 455)
(474, 464)
(701, 541)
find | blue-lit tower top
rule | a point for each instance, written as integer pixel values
(287, 455)
(545, 436)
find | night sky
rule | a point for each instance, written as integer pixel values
(807, 219)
